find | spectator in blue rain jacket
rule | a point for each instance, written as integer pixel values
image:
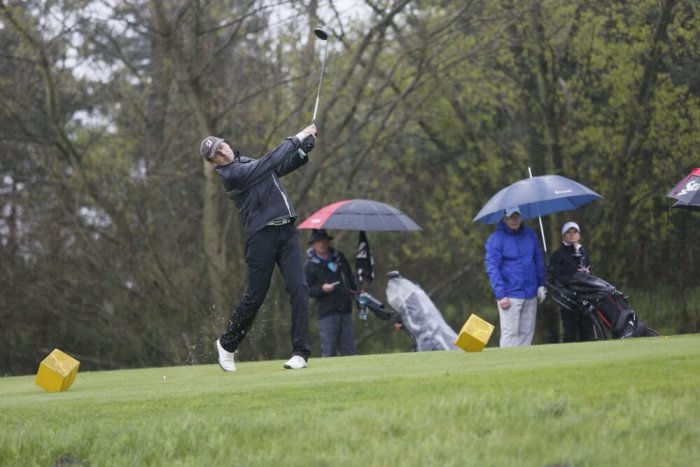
(516, 272)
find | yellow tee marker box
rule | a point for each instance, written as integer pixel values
(57, 371)
(475, 334)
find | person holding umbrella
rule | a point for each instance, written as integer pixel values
(331, 283)
(516, 273)
(268, 217)
(570, 258)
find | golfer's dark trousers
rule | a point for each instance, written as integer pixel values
(265, 248)
(577, 326)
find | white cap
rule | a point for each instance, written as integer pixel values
(569, 225)
(510, 211)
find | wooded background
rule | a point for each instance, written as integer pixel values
(118, 245)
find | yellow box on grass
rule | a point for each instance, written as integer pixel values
(57, 371)
(475, 334)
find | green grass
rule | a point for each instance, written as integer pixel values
(633, 402)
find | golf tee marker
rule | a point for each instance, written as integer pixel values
(475, 334)
(57, 372)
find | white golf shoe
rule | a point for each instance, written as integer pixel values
(225, 358)
(295, 363)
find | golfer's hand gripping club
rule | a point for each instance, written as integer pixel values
(308, 131)
(308, 144)
(307, 137)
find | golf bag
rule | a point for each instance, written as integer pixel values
(610, 308)
(418, 316)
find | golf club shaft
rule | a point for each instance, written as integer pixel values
(320, 80)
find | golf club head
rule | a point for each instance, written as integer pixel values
(321, 34)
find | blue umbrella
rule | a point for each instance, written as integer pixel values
(537, 196)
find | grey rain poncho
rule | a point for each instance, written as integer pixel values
(419, 316)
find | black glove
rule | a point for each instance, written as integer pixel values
(308, 144)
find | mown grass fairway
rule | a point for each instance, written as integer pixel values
(612, 403)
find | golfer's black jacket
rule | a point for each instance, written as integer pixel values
(318, 272)
(254, 186)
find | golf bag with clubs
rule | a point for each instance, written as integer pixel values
(609, 308)
(418, 316)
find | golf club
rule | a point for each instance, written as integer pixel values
(323, 35)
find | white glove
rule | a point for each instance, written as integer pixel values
(541, 293)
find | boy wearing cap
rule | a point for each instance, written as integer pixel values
(268, 216)
(570, 258)
(516, 272)
(331, 283)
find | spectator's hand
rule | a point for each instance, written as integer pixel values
(328, 288)
(504, 303)
(308, 144)
(541, 293)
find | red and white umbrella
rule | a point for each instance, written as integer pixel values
(687, 192)
(360, 214)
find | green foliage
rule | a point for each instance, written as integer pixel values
(571, 404)
(670, 310)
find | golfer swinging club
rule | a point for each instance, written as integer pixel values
(268, 217)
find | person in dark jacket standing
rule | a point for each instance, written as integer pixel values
(515, 268)
(268, 217)
(570, 258)
(331, 283)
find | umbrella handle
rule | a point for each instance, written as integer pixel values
(544, 242)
